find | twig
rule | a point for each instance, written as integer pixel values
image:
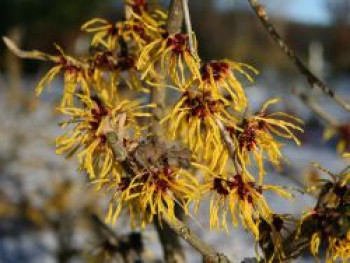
(158, 95)
(104, 228)
(316, 109)
(175, 17)
(313, 81)
(188, 24)
(125, 248)
(210, 254)
(34, 54)
(229, 144)
(170, 241)
(38, 55)
(224, 133)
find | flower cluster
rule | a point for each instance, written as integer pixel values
(109, 134)
(342, 131)
(238, 195)
(330, 219)
(141, 53)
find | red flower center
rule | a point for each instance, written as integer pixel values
(216, 69)
(202, 104)
(178, 43)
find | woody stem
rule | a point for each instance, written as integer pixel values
(313, 81)
(188, 24)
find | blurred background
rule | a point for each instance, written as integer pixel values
(46, 206)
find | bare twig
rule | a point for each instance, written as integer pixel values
(316, 109)
(209, 254)
(107, 231)
(229, 144)
(188, 24)
(314, 82)
(171, 245)
(224, 133)
(175, 17)
(38, 55)
(158, 95)
(35, 54)
(124, 248)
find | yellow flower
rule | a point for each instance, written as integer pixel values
(337, 248)
(108, 70)
(256, 136)
(153, 192)
(73, 74)
(193, 119)
(105, 33)
(315, 243)
(218, 76)
(89, 132)
(343, 133)
(330, 219)
(172, 54)
(240, 196)
(144, 27)
(272, 232)
(138, 6)
(140, 29)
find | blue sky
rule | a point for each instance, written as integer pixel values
(308, 11)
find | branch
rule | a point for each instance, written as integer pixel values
(188, 24)
(175, 17)
(38, 55)
(172, 248)
(316, 109)
(105, 229)
(126, 248)
(158, 95)
(35, 54)
(224, 133)
(209, 253)
(313, 81)
(229, 144)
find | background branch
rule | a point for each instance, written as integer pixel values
(316, 109)
(314, 82)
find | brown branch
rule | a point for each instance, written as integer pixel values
(34, 54)
(229, 144)
(188, 24)
(314, 82)
(224, 133)
(175, 17)
(158, 95)
(125, 248)
(171, 245)
(38, 55)
(209, 253)
(103, 228)
(316, 109)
